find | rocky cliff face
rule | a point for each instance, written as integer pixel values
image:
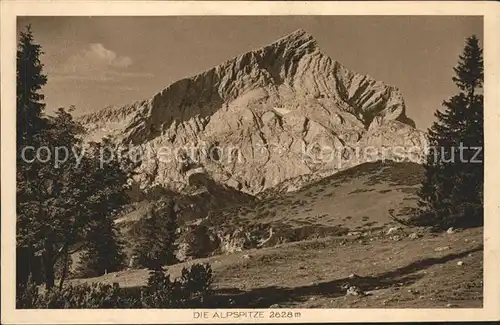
(285, 111)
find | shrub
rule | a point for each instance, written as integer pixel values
(27, 295)
(161, 292)
(197, 281)
(96, 295)
(190, 291)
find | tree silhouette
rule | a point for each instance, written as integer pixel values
(29, 81)
(29, 121)
(452, 192)
(104, 250)
(156, 245)
(56, 202)
(199, 242)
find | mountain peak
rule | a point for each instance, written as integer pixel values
(297, 37)
(300, 33)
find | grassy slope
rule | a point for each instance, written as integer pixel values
(397, 273)
(355, 198)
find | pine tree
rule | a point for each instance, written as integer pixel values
(29, 108)
(30, 80)
(451, 194)
(104, 250)
(169, 230)
(199, 242)
(470, 70)
(149, 249)
(156, 245)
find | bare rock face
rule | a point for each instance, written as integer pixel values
(285, 111)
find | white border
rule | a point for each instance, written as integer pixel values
(11, 9)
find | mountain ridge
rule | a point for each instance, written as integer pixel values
(286, 94)
(298, 36)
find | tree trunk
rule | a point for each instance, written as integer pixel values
(48, 265)
(64, 273)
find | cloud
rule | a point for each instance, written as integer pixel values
(97, 56)
(96, 63)
(99, 76)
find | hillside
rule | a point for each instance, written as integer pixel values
(330, 233)
(355, 199)
(405, 273)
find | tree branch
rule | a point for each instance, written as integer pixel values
(78, 248)
(398, 220)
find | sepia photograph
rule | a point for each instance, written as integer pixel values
(220, 164)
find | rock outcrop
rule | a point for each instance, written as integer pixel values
(285, 111)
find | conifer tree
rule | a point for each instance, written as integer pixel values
(451, 194)
(104, 250)
(29, 82)
(29, 121)
(199, 242)
(56, 202)
(148, 249)
(156, 245)
(170, 235)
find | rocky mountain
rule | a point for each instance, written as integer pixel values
(282, 114)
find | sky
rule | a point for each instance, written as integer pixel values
(93, 62)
